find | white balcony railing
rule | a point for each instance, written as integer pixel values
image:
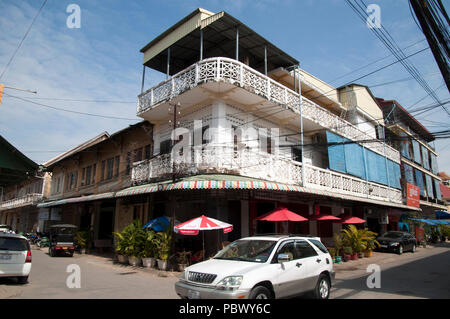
(28, 199)
(261, 165)
(239, 74)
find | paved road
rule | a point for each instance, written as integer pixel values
(424, 274)
(99, 279)
(420, 275)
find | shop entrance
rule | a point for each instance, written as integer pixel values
(263, 227)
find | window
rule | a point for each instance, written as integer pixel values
(205, 139)
(83, 176)
(117, 159)
(319, 245)
(102, 178)
(137, 155)
(164, 147)
(128, 170)
(109, 167)
(297, 154)
(303, 249)
(287, 248)
(88, 175)
(148, 152)
(72, 182)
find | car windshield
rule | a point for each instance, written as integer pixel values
(14, 244)
(247, 250)
(392, 235)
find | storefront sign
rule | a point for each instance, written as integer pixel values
(420, 234)
(412, 195)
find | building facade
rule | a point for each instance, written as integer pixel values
(418, 155)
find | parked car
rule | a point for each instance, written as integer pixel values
(397, 241)
(261, 267)
(5, 229)
(15, 257)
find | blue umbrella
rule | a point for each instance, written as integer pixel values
(159, 223)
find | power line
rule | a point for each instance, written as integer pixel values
(23, 39)
(70, 111)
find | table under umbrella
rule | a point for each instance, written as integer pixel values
(194, 226)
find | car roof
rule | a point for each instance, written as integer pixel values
(277, 237)
(12, 235)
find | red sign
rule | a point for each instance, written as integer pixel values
(412, 195)
(420, 234)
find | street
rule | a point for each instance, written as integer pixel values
(419, 275)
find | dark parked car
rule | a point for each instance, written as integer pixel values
(397, 241)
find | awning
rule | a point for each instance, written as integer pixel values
(442, 215)
(76, 200)
(230, 182)
(433, 222)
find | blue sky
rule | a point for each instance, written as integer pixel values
(101, 60)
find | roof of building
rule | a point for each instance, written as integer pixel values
(445, 191)
(96, 141)
(400, 112)
(219, 40)
(444, 176)
(14, 166)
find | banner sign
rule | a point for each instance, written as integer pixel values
(412, 195)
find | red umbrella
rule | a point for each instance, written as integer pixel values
(323, 217)
(282, 214)
(193, 226)
(352, 220)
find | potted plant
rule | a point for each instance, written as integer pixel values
(148, 255)
(133, 237)
(83, 240)
(182, 260)
(165, 239)
(332, 252)
(348, 251)
(120, 247)
(338, 246)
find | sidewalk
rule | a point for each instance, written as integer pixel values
(386, 260)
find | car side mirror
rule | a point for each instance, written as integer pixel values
(283, 258)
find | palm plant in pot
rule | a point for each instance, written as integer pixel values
(134, 243)
(150, 245)
(165, 243)
(182, 260)
(348, 251)
(83, 240)
(338, 244)
(121, 244)
(353, 238)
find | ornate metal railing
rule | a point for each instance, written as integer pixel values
(29, 199)
(239, 74)
(260, 165)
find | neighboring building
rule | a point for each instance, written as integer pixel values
(21, 188)
(445, 178)
(86, 179)
(418, 155)
(234, 98)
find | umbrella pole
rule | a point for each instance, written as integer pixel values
(204, 252)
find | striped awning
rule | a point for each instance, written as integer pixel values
(137, 190)
(76, 200)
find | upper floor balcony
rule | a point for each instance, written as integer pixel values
(260, 165)
(239, 82)
(29, 199)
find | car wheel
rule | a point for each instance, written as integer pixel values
(322, 290)
(413, 249)
(260, 292)
(22, 280)
(400, 249)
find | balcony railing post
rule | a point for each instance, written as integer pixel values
(218, 70)
(151, 97)
(196, 73)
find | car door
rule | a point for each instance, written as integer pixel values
(312, 264)
(288, 272)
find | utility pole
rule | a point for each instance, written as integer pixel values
(2, 87)
(172, 155)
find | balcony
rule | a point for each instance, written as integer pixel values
(26, 200)
(260, 165)
(238, 74)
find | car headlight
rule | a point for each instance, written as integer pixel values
(393, 244)
(183, 275)
(230, 283)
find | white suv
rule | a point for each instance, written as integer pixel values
(261, 267)
(15, 257)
